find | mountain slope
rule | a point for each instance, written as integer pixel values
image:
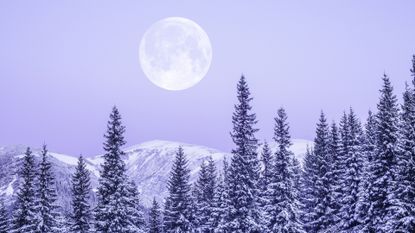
(148, 164)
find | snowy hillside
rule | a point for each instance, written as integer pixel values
(148, 164)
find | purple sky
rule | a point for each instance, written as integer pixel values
(63, 64)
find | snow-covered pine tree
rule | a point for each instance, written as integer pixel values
(297, 172)
(336, 170)
(369, 146)
(4, 217)
(204, 193)
(25, 213)
(154, 221)
(135, 213)
(384, 159)
(219, 204)
(81, 218)
(404, 195)
(243, 212)
(353, 162)
(177, 214)
(308, 192)
(46, 207)
(320, 219)
(266, 174)
(281, 214)
(111, 210)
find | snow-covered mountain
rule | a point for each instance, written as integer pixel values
(148, 164)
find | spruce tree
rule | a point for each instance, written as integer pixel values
(154, 221)
(177, 214)
(25, 214)
(112, 207)
(382, 172)
(365, 189)
(267, 161)
(4, 217)
(219, 204)
(46, 196)
(205, 190)
(281, 212)
(81, 188)
(308, 190)
(243, 213)
(135, 213)
(320, 220)
(353, 162)
(403, 219)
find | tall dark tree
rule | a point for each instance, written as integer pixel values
(320, 220)
(25, 214)
(47, 209)
(81, 189)
(353, 163)
(111, 210)
(403, 219)
(178, 214)
(243, 214)
(154, 222)
(281, 209)
(4, 217)
(382, 172)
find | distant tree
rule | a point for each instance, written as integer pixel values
(267, 161)
(243, 213)
(81, 188)
(178, 214)
(47, 209)
(4, 217)
(308, 190)
(25, 214)
(112, 207)
(281, 214)
(219, 203)
(154, 222)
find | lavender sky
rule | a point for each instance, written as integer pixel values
(64, 64)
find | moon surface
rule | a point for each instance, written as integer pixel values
(175, 53)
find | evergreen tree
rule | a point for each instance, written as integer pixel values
(403, 219)
(154, 222)
(381, 170)
(320, 220)
(266, 174)
(281, 213)
(308, 191)
(336, 170)
(219, 204)
(81, 189)
(243, 214)
(46, 196)
(25, 213)
(135, 213)
(177, 215)
(112, 207)
(353, 162)
(205, 190)
(4, 217)
(369, 146)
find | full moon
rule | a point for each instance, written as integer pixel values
(175, 53)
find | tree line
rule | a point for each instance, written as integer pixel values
(355, 178)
